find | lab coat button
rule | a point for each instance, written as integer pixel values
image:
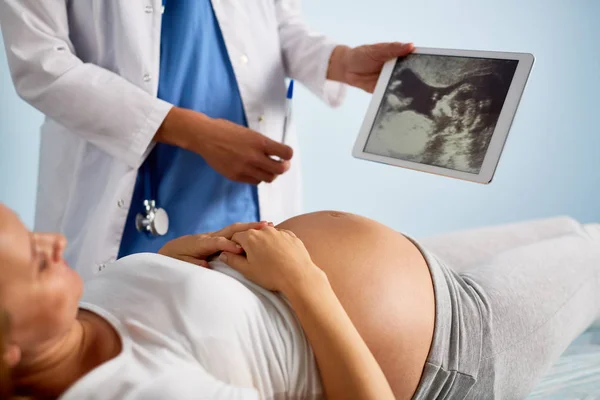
(147, 78)
(149, 9)
(261, 118)
(101, 267)
(121, 203)
(244, 59)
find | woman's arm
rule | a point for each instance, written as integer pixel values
(278, 260)
(347, 366)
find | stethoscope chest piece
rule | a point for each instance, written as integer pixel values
(154, 221)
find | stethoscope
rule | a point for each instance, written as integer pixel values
(154, 221)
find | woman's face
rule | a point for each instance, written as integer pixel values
(38, 290)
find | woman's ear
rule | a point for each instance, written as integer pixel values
(12, 355)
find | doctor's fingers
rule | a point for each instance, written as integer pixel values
(273, 148)
(276, 167)
(262, 175)
(244, 178)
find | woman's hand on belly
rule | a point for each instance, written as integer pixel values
(275, 259)
(197, 249)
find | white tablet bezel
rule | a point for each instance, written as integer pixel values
(492, 157)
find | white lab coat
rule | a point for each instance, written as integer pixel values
(92, 67)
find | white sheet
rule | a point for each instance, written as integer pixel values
(576, 375)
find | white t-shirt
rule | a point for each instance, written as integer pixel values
(193, 333)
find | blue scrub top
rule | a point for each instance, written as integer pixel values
(195, 73)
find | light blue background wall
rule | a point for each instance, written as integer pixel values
(551, 163)
(19, 148)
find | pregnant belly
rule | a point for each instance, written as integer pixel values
(383, 282)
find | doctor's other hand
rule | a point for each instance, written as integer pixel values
(275, 259)
(234, 151)
(197, 249)
(360, 66)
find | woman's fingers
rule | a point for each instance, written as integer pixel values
(230, 230)
(242, 238)
(237, 262)
(196, 261)
(210, 245)
(292, 234)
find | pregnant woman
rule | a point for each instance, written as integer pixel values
(324, 305)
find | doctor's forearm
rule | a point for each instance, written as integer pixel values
(177, 125)
(336, 70)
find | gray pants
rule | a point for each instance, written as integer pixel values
(509, 301)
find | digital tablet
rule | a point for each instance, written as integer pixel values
(446, 112)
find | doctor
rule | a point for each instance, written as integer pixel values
(181, 102)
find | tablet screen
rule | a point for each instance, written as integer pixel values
(441, 110)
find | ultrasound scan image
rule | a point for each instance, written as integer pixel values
(441, 110)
